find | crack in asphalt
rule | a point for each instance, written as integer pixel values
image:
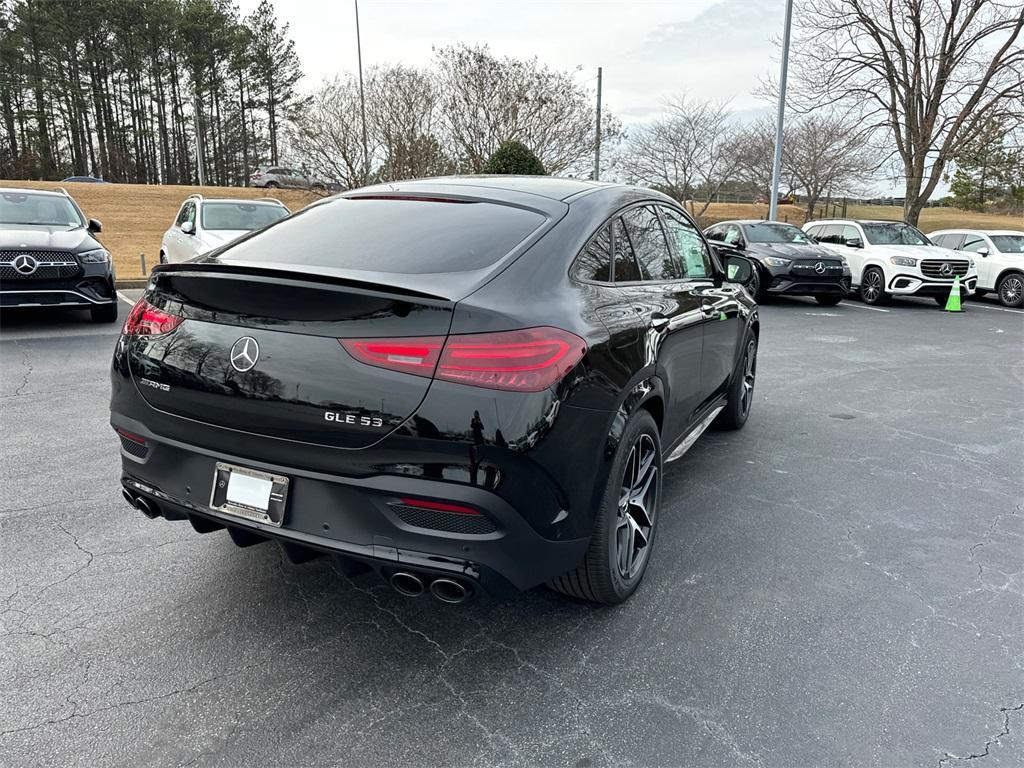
(949, 757)
(26, 361)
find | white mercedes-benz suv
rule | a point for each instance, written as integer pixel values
(891, 258)
(999, 254)
(203, 224)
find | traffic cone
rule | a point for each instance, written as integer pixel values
(953, 303)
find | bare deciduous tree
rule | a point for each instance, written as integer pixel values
(827, 153)
(929, 73)
(688, 152)
(485, 100)
(327, 132)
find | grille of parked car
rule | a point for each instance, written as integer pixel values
(934, 268)
(37, 265)
(451, 522)
(809, 268)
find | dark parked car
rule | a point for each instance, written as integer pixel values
(788, 262)
(464, 384)
(49, 256)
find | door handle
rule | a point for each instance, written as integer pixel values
(658, 321)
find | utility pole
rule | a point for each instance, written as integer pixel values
(199, 142)
(362, 97)
(773, 204)
(597, 137)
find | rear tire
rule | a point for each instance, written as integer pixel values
(271, 185)
(626, 520)
(741, 391)
(828, 301)
(1011, 290)
(872, 287)
(104, 313)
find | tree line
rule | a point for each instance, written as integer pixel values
(142, 91)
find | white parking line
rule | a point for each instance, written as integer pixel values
(125, 299)
(863, 306)
(974, 304)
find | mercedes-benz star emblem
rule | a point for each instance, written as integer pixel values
(24, 264)
(820, 268)
(946, 269)
(244, 354)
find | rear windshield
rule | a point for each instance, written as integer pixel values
(391, 235)
(895, 233)
(241, 216)
(44, 210)
(769, 232)
(1008, 243)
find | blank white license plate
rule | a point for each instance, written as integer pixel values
(249, 493)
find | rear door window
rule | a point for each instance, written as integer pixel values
(391, 235)
(626, 269)
(849, 233)
(595, 263)
(650, 246)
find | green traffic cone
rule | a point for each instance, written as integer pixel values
(953, 303)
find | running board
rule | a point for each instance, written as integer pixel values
(691, 438)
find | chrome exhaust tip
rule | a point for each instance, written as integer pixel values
(147, 507)
(129, 497)
(408, 584)
(449, 591)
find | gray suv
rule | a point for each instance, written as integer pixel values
(278, 176)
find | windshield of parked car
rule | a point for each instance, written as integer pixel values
(241, 215)
(893, 233)
(772, 232)
(1008, 243)
(41, 210)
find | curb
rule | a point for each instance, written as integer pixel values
(128, 284)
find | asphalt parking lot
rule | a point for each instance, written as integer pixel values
(840, 583)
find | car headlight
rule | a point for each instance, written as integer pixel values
(99, 256)
(970, 263)
(846, 267)
(775, 261)
(903, 261)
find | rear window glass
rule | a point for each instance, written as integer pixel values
(391, 235)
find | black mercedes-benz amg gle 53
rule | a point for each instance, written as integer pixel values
(787, 261)
(463, 383)
(49, 256)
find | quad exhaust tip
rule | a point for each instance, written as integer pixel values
(408, 584)
(129, 498)
(147, 507)
(449, 591)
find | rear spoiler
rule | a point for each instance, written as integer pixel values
(309, 274)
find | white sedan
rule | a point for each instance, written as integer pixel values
(203, 224)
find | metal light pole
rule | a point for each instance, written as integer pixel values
(362, 96)
(773, 205)
(597, 137)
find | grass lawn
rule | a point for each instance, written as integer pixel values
(135, 216)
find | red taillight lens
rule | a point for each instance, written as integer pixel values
(440, 506)
(147, 320)
(529, 360)
(130, 436)
(413, 355)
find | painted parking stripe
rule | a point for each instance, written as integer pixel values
(125, 299)
(863, 306)
(972, 305)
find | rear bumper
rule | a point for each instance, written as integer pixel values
(358, 518)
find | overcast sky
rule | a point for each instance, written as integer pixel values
(648, 48)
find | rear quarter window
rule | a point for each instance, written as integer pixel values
(393, 235)
(594, 263)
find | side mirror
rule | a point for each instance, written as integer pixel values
(95, 225)
(983, 251)
(188, 227)
(739, 245)
(853, 242)
(738, 269)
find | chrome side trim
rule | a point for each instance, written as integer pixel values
(691, 438)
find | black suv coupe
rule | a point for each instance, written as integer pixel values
(467, 383)
(788, 261)
(49, 257)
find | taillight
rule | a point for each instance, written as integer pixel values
(528, 360)
(147, 320)
(413, 355)
(440, 506)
